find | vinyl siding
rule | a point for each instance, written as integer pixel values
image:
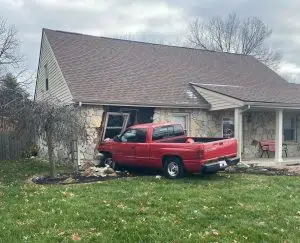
(58, 87)
(218, 101)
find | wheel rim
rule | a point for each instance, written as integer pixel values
(110, 163)
(173, 169)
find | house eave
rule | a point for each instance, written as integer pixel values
(155, 105)
(273, 105)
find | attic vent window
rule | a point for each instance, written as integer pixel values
(46, 76)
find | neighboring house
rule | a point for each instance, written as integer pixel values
(118, 83)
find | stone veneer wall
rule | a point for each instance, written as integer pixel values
(85, 149)
(93, 117)
(261, 126)
(257, 126)
(202, 122)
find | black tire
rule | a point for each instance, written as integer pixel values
(107, 160)
(173, 168)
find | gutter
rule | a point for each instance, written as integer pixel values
(248, 108)
(80, 103)
(273, 105)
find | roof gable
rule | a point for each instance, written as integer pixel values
(218, 101)
(58, 87)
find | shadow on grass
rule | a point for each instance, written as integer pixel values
(146, 172)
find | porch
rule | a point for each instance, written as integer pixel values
(263, 114)
(271, 162)
(268, 132)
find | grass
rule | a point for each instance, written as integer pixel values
(220, 208)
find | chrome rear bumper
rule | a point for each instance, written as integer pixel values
(219, 165)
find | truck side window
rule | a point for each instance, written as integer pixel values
(134, 136)
(167, 132)
(159, 133)
(178, 130)
(141, 135)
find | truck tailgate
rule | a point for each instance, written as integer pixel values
(220, 149)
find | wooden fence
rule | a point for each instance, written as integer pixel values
(12, 142)
(12, 145)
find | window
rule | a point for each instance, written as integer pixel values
(227, 127)
(183, 119)
(167, 132)
(289, 128)
(134, 136)
(46, 76)
(115, 124)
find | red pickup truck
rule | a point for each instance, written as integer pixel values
(165, 146)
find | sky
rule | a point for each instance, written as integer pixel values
(149, 20)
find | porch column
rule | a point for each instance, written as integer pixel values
(238, 130)
(278, 143)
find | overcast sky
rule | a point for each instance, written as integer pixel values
(149, 20)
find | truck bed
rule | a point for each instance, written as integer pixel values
(196, 140)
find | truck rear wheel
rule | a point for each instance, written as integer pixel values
(173, 168)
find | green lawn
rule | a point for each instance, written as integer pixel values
(222, 208)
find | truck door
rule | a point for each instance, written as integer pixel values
(125, 149)
(141, 148)
(132, 149)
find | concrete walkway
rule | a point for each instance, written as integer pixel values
(269, 162)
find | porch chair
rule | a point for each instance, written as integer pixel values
(267, 146)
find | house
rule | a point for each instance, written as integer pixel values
(118, 83)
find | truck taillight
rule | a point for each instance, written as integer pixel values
(200, 154)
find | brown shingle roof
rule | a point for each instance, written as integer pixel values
(286, 93)
(100, 70)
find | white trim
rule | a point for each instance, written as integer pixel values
(145, 105)
(279, 135)
(267, 105)
(238, 130)
(187, 120)
(125, 122)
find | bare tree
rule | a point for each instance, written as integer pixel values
(248, 36)
(58, 125)
(9, 47)
(45, 122)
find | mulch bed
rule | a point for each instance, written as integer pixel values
(75, 178)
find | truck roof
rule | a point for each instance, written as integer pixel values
(154, 125)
